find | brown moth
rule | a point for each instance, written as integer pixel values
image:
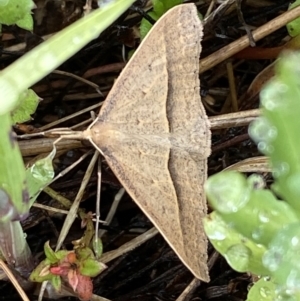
(154, 134)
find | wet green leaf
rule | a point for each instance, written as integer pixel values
(255, 213)
(262, 290)
(241, 253)
(283, 258)
(39, 175)
(277, 131)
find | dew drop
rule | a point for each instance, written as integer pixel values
(272, 259)
(261, 130)
(293, 280)
(280, 169)
(228, 192)
(271, 95)
(265, 292)
(262, 147)
(264, 216)
(238, 257)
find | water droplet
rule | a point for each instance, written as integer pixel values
(271, 95)
(280, 169)
(228, 192)
(262, 147)
(264, 216)
(261, 130)
(272, 259)
(215, 227)
(293, 280)
(238, 257)
(265, 292)
(257, 233)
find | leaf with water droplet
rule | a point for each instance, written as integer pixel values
(255, 213)
(262, 290)
(241, 253)
(283, 258)
(39, 175)
(277, 131)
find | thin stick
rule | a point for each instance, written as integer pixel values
(113, 209)
(243, 42)
(13, 280)
(74, 208)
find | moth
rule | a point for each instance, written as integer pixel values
(154, 134)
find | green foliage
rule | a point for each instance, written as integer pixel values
(75, 267)
(19, 76)
(27, 105)
(39, 175)
(17, 12)
(13, 186)
(262, 290)
(264, 230)
(159, 8)
(294, 26)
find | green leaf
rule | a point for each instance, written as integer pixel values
(91, 267)
(14, 195)
(241, 253)
(277, 131)
(20, 75)
(283, 258)
(262, 290)
(146, 25)
(255, 213)
(27, 105)
(39, 175)
(160, 7)
(97, 247)
(84, 253)
(56, 283)
(14, 11)
(50, 254)
(26, 23)
(294, 26)
(41, 272)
